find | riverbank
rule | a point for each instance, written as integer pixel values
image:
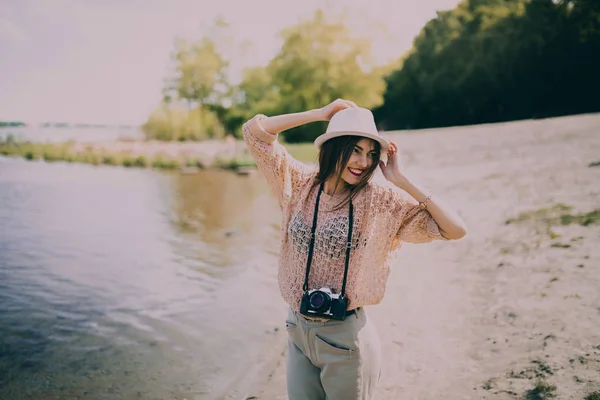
(227, 154)
(511, 311)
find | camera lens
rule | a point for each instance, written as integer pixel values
(319, 301)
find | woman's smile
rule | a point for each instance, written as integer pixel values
(356, 171)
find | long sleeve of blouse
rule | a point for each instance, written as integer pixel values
(284, 174)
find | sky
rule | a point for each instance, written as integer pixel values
(104, 61)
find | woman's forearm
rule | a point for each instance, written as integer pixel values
(280, 123)
(451, 225)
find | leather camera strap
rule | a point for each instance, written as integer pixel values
(311, 246)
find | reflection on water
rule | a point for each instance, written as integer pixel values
(224, 218)
(120, 283)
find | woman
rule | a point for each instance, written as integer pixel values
(338, 231)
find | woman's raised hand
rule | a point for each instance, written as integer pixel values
(330, 109)
(392, 169)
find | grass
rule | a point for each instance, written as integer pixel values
(541, 214)
(305, 152)
(556, 215)
(489, 384)
(592, 396)
(540, 371)
(543, 367)
(51, 152)
(163, 163)
(584, 219)
(233, 163)
(541, 391)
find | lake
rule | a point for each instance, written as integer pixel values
(124, 283)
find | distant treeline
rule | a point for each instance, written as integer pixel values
(495, 60)
(483, 61)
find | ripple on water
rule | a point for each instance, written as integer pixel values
(102, 292)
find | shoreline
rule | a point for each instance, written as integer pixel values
(188, 156)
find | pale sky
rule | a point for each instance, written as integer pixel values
(104, 61)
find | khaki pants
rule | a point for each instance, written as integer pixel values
(332, 360)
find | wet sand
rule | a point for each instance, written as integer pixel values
(508, 306)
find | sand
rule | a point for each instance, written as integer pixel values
(510, 305)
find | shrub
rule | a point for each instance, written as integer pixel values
(168, 123)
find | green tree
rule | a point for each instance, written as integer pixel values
(255, 94)
(496, 60)
(199, 80)
(200, 75)
(319, 61)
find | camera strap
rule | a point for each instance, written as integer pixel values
(311, 246)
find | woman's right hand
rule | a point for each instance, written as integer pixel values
(330, 109)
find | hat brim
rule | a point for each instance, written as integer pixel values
(385, 145)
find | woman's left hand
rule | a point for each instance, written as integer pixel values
(392, 170)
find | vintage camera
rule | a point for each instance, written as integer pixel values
(323, 303)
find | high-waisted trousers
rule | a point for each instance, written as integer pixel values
(332, 360)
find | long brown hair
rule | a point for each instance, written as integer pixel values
(333, 158)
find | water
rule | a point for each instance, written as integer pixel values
(119, 283)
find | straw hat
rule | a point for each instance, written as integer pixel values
(353, 121)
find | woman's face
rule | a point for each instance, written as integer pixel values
(362, 159)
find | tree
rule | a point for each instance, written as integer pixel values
(200, 74)
(496, 60)
(319, 61)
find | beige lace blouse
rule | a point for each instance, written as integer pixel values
(383, 219)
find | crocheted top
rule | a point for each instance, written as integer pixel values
(383, 220)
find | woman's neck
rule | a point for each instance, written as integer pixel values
(334, 187)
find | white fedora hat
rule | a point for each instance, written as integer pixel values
(354, 121)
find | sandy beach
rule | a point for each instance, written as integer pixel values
(512, 311)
